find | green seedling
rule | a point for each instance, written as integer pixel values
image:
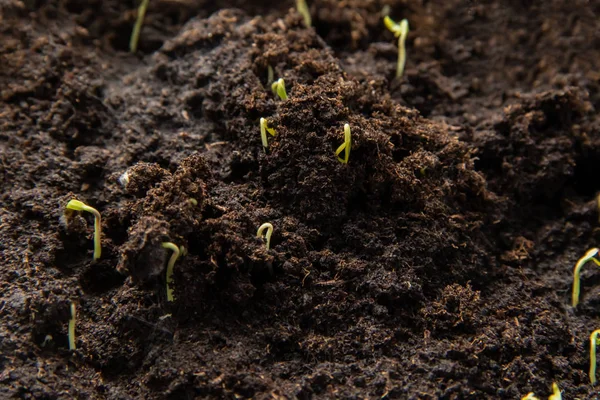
(530, 396)
(345, 146)
(556, 395)
(400, 31)
(77, 205)
(269, 229)
(278, 88)
(270, 75)
(263, 132)
(589, 256)
(137, 28)
(302, 8)
(72, 327)
(172, 259)
(593, 342)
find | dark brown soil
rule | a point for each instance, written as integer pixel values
(436, 264)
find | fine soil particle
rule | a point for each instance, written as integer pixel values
(435, 264)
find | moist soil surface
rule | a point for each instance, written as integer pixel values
(435, 264)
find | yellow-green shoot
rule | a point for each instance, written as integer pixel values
(400, 31)
(278, 88)
(345, 146)
(77, 205)
(270, 75)
(72, 327)
(302, 8)
(137, 28)
(174, 256)
(593, 342)
(589, 256)
(556, 395)
(269, 229)
(263, 132)
(530, 396)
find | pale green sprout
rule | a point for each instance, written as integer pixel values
(270, 75)
(530, 396)
(269, 229)
(589, 256)
(72, 327)
(302, 8)
(556, 395)
(263, 132)
(345, 146)
(400, 31)
(593, 342)
(278, 88)
(77, 205)
(174, 256)
(137, 28)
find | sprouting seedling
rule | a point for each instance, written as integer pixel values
(400, 31)
(269, 229)
(172, 259)
(593, 342)
(135, 34)
(270, 75)
(72, 327)
(530, 396)
(81, 206)
(302, 8)
(589, 256)
(556, 395)
(278, 88)
(263, 132)
(345, 146)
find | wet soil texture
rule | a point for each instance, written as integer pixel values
(436, 264)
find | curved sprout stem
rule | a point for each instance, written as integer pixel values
(263, 132)
(269, 229)
(172, 260)
(400, 31)
(588, 256)
(77, 205)
(278, 88)
(347, 145)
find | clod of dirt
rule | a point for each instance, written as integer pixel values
(142, 255)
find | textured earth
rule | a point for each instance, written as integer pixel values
(436, 264)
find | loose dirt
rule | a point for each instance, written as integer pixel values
(436, 264)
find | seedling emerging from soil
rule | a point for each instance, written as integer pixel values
(530, 396)
(278, 88)
(263, 132)
(589, 256)
(174, 257)
(593, 341)
(269, 229)
(81, 206)
(72, 327)
(302, 8)
(345, 146)
(556, 395)
(400, 31)
(137, 28)
(270, 75)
